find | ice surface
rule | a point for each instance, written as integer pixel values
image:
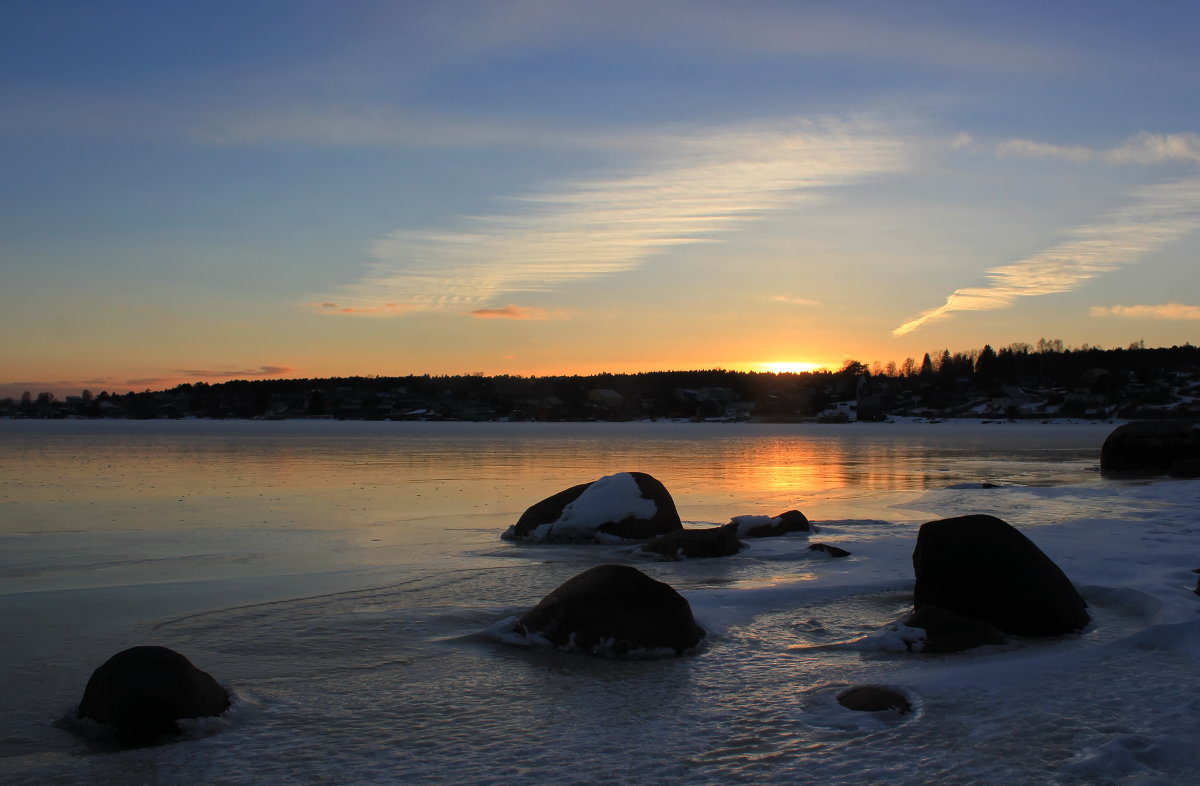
(349, 625)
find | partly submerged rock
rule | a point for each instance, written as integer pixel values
(874, 698)
(946, 631)
(624, 506)
(141, 692)
(1153, 447)
(771, 526)
(696, 543)
(614, 610)
(832, 551)
(982, 568)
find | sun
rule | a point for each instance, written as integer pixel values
(789, 367)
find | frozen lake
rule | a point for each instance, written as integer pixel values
(337, 575)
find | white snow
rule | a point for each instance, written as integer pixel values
(609, 499)
(747, 523)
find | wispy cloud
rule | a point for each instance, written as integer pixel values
(1159, 215)
(261, 371)
(380, 309)
(1154, 148)
(1172, 311)
(708, 184)
(795, 301)
(517, 312)
(1027, 148)
(1142, 148)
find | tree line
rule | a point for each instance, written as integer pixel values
(939, 382)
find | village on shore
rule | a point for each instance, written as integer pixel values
(1015, 383)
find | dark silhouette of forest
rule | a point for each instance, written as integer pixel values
(1020, 381)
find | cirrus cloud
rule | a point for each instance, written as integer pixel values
(517, 312)
(1172, 311)
(261, 371)
(1159, 215)
(795, 301)
(697, 188)
(1141, 148)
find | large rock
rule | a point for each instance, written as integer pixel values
(142, 691)
(614, 610)
(771, 526)
(981, 568)
(624, 506)
(696, 543)
(1152, 447)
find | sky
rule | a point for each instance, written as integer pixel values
(219, 190)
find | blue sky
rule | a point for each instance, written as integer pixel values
(211, 190)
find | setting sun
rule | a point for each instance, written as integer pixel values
(790, 367)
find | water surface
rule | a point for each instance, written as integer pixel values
(338, 575)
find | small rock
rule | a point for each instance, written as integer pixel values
(771, 526)
(946, 631)
(874, 698)
(696, 543)
(832, 551)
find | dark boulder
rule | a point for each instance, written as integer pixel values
(981, 568)
(946, 631)
(1184, 468)
(773, 526)
(832, 551)
(142, 691)
(874, 698)
(696, 543)
(614, 610)
(1152, 447)
(624, 506)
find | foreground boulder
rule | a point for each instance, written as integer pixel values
(696, 543)
(141, 692)
(981, 568)
(946, 631)
(874, 698)
(614, 610)
(624, 506)
(1153, 447)
(771, 526)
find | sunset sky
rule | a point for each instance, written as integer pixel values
(216, 190)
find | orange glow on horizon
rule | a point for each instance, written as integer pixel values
(789, 367)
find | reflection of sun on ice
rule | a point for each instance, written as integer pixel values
(790, 367)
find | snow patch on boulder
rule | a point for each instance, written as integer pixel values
(611, 498)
